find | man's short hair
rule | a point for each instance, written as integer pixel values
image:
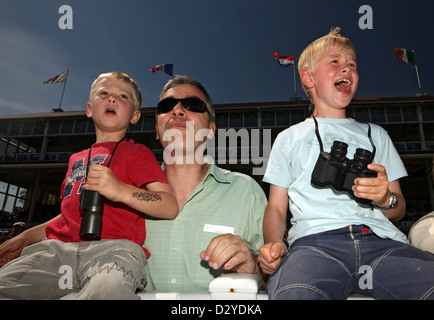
(182, 80)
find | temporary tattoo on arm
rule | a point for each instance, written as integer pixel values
(147, 196)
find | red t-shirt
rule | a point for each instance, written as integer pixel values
(133, 164)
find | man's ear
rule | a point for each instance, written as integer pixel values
(307, 78)
(212, 127)
(157, 136)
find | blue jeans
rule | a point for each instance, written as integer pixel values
(338, 263)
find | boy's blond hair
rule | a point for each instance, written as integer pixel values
(119, 76)
(313, 51)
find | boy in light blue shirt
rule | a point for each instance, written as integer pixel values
(342, 240)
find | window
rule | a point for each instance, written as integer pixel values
(51, 199)
(222, 120)
(428, 112)
(283, 117)
(27, 128)
(67, 126)
(4, 127)
(297, 115)
(148, 122)
(410, 113)
(236, 120)
(268, 118)
(378, 114)
(361, 114)
(250, 119)
(54, 127)
(80, 126)
(393, 114)
(15, 128)
(38, 128)
(11, 197)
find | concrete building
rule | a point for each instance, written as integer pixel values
(35, 148)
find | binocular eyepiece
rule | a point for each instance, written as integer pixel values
(335, 170)
(91, 204)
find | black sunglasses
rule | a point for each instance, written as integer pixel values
(191, 104)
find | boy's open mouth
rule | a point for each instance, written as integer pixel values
(110, 110)
(343, 85)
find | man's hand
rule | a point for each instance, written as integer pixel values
(230, 252)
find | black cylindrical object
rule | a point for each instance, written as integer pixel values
(91, 203)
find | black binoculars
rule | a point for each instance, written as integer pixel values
(335, 170)
(91, 204)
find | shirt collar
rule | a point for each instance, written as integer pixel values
(216, 172)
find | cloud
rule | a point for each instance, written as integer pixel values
(26, 59)
(14, 107)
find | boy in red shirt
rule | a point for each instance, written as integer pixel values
(132, 184)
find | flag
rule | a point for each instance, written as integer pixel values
(165, 68)
(405, 55)
(284, 61)
(57, 79)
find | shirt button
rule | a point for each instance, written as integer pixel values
(175, 249)
(173, 280)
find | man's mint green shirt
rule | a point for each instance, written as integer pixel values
(224, 202)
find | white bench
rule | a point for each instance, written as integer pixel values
(231, 286)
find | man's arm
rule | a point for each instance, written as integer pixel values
(238, 253)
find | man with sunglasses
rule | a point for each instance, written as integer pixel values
(219, 226)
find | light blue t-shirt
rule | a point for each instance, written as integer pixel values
(292, 159)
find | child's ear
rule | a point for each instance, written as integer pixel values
(136, 117)
(306, 78)
(88, 110)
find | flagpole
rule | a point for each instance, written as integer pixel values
(63, 91)
(295, 83)
(418, 79)
(417, 74)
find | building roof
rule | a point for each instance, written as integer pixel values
(239, 106)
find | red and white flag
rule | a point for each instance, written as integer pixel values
(284, 61)
(165, 68)
(57, 79)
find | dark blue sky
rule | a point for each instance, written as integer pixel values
(228, 45)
